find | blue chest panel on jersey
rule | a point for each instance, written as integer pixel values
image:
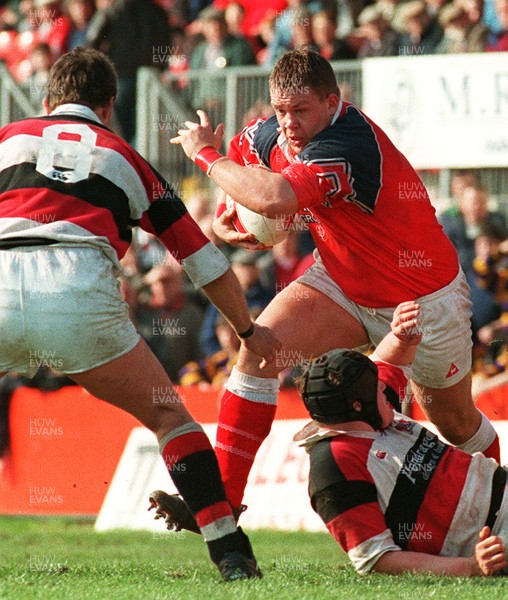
(265, 139)
(350, 142)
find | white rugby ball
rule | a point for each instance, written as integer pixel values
(267, 231)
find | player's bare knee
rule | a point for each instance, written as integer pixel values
(457, 427)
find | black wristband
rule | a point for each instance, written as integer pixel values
(246, 334)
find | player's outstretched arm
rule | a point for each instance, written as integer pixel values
(399, 346)
(226, 294)
(397, 563)
(489, 558)
(261, 190)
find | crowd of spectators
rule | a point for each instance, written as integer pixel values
(180, 35)
(177, 35)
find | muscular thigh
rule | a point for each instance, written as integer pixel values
(307, 323)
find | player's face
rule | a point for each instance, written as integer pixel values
(302, 115)
(385, 408)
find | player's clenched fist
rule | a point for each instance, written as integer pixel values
(405, 323)
(490, 553)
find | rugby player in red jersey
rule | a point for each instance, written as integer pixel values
(377, 245)
(70, 192)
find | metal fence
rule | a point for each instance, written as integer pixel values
(14, 102)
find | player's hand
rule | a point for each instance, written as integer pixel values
(198, 135)
(224, 229)
(263, 343)
(489, 553)
(405, 323)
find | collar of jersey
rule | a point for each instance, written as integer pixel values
(77, 110)
(283, 143)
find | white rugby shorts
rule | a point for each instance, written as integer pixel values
(444, 356)
(61, 307)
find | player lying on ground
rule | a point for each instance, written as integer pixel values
(393, 495)
(70, 191)
(379, 244)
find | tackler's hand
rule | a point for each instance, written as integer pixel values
(406, 323)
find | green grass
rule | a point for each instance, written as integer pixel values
(66, 559)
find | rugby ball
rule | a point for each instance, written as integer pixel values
(266, 231)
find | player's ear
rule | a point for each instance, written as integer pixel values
(333, 103)
(45, 105)
(105, 112)
(357, 405)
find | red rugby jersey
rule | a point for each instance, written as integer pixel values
(367, 209)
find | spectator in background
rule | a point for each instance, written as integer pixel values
(324, 28)
(182, 12)
(434, 7)
(461, 179)
(218, 50)
(490, 19)
(259, 110)
(301, 31)
(463, 229)
(284, 263)
(213, 371)
(345, 13)
(266, 34)
(199, 205)
(490, 268)
(255, 12)
(52, 25)
(79, 13)
(133, 33)
(499, 41)
(171, 320)
(247, 266)
(234, 15)
(284, 24)
(41, 60)
(463, 225)
(420, 31)
(461, 32)
(9, 20)
(478, 31)
(454, 21)
(376, 36)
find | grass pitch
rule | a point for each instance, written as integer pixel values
(66, 559)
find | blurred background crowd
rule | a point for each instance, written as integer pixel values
(177, 35)
(195, 345)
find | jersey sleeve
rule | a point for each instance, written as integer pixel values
(394, 376)
(344, 495)
(167, 218)
(319, 182)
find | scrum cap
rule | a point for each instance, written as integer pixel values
(334, 381)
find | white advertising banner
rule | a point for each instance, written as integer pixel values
(276, 494)
(446, 111)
